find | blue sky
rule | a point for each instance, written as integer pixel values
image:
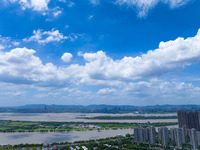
(131, 52)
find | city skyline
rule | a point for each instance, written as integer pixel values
(117, 52)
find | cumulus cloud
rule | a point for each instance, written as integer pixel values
(170, 56)
(144, 6)
(67, 57)
(100, 68)
(20, 66)
(44, 37)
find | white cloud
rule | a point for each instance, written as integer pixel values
(38, 5)
(20, 66)
(90, 17)
(44, 37)
(144, 6)
(67, 26)
(67, 57)
(71, 4)
(7, 42)
(106, 91)
(16, 43)
(2, 47)
(57, 13)
(64, 1)
(4, 42)
(169, 57)
(80, 53)
(162, 89)
(99, 69)
(95, 2)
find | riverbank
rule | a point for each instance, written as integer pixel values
(128, 117)
(32, 126)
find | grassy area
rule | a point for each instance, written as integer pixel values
(29, 126)
(129, 117)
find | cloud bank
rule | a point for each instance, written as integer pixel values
(99, 68)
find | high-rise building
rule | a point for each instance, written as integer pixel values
(163, 134)
(145, 134)
(179, 137)
(189, 120)
(152, 134)
(141, 135)
(136, 134)
(198, 137)
(193, 139)
(172, 134)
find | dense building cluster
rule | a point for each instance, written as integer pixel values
(145, 134)
(177, 135)
(187, 133)
(189, 120)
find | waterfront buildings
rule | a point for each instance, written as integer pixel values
(145, 134)
(178, 135)
(189, 120)
(136, 134)
(163, 134)
(193, 139)
(152, 135)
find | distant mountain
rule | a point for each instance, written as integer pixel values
(43, 108)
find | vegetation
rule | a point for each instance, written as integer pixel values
(129, 117)
(30, 126)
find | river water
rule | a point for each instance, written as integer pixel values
(70, 136)
(73, 117)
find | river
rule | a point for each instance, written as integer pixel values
(73, 117)
(67, 136)
(70, 136)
